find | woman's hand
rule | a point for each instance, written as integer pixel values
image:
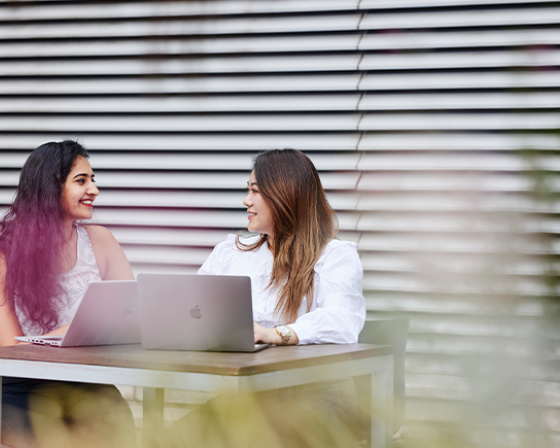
(266, 335)
(271, 336)
(58, 331)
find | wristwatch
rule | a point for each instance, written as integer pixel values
(285, 333)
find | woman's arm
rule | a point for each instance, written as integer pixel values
(271, 336)
(9, 325)
(111, 260)
(340, 313)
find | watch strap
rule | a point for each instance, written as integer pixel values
(284, 332)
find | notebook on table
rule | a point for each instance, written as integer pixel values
(107, 315)
(196, 312)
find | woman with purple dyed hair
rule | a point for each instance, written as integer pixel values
(47, 260)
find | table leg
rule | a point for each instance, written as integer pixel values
(382, 406)
(152, 426)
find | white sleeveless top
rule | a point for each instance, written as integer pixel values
(74, 283)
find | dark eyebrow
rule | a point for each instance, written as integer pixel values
(82, 175)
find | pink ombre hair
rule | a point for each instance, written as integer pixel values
(31, 235)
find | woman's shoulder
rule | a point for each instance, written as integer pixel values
(95, 232)
(101, 238)
(231, 240)
(339, 252)
(110, 258)
(230, 244)
(229, 259)
(339, 246)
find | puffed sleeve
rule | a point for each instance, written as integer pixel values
(219, 259)
(341, 310)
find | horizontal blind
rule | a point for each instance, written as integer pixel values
(433, 123)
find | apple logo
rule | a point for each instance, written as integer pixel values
(195, 313)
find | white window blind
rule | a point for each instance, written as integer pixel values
(434, 125)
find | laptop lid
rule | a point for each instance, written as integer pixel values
(196, 312)
(107, 315)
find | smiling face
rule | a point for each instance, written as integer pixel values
(260, 215)
(79, 191)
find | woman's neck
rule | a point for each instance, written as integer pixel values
(68, 254)
(270, 242)
(68, 230)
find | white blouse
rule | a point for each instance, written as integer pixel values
(338, 311)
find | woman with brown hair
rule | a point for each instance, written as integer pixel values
(306, 285)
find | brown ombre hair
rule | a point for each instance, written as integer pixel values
(303, 223)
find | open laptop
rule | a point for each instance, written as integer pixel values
(106, 315)
(196, 312)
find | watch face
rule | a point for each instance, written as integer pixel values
(285, 333)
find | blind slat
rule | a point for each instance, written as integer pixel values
(288, 103)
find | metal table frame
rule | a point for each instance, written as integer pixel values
(378, 367)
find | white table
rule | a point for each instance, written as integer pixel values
(155, 370)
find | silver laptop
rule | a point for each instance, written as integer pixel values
(196, 312)
(106, 315)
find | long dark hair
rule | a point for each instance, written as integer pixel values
(31, 233)
(303, 224)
